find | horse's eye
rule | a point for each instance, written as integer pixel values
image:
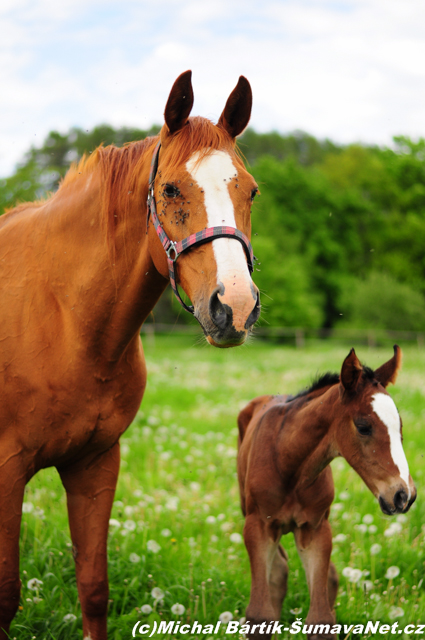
(170, 191)
(363, 426)
(254, 193)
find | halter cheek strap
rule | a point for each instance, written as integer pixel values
(174, 249)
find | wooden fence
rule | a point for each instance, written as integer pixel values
(299, 335)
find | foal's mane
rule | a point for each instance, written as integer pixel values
(328, 379)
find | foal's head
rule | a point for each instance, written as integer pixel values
(369, 432)
(201, 183)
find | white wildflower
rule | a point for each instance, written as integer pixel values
(361, 527)
(368, 518)
(69, 617)
(392, 572)
(172, 503)
(166, 533)
(157, 593)
(375, 549)
(134, 558)
(210, 519)
(146, 609)
(130, 525)
(236, 538)
(393, 529)
(340, 537)
(396, 612)
(296, 612)
(27, 507)
(153, 546)
(34, 584)
(373, 528)
(226, 526)
(178, 609)
(344, 495)
(114, 523)
(225, 617)
(366, 585)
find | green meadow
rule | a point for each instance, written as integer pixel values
(176, 525)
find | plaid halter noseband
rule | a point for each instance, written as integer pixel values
(174, 249)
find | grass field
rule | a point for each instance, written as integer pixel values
(176, 523)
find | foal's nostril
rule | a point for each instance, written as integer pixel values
(221, 314)
(400, 500)
(255, 313)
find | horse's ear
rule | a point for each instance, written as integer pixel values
(351, 371)
(237, 111)
(179, 103)
(388, 372)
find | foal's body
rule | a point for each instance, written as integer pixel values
(286, 485)
(80, 273)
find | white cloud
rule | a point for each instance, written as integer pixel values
(348, 70)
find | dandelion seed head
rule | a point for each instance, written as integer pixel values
(153, 546)
(157, 593)
(392, 572)
(178, 609)
(134, 558)
(34, 584)
(146, 609)
(225, 617)
(69, 617)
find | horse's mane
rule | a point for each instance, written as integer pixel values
(328, 379)
(121, 167)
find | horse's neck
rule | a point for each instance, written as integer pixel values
(110, 283)
(310, 436)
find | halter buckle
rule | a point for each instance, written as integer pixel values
(172, 247)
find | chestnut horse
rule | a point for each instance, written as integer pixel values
(285, 447)
(80, 273)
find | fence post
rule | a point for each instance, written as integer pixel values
(299, 338)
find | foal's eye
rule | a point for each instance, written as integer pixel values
(363, 426)
(254, 193)
(170, 191)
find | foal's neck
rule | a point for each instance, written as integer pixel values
(311, 434)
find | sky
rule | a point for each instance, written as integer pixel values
(348, 70)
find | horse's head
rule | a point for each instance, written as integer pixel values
(370, 432)
(201, 183)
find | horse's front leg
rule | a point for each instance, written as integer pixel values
(314, 547)
(12, 483)
(269, 573)
(90, 487)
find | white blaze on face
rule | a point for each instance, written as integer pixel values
(214, 174)
(386, 411)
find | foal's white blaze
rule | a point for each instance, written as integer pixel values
(214, 174)
(386, 411)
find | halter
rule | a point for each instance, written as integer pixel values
(174, 249)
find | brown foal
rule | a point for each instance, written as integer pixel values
(285, 447)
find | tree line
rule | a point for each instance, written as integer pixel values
(339, 230)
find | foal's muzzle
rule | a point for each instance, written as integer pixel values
(400, 503)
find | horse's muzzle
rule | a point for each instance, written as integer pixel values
(229, 326)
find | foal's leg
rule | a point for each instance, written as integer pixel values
(12, 483)
(90, 487)
(278, 581)
(269, 572)
(314, 547)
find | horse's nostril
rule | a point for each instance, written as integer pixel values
(255, 313)
(400, 500)
(221, 314)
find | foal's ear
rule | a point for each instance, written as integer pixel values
(388, 372)
(237, 111)
(351, 371)
(179, 103)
